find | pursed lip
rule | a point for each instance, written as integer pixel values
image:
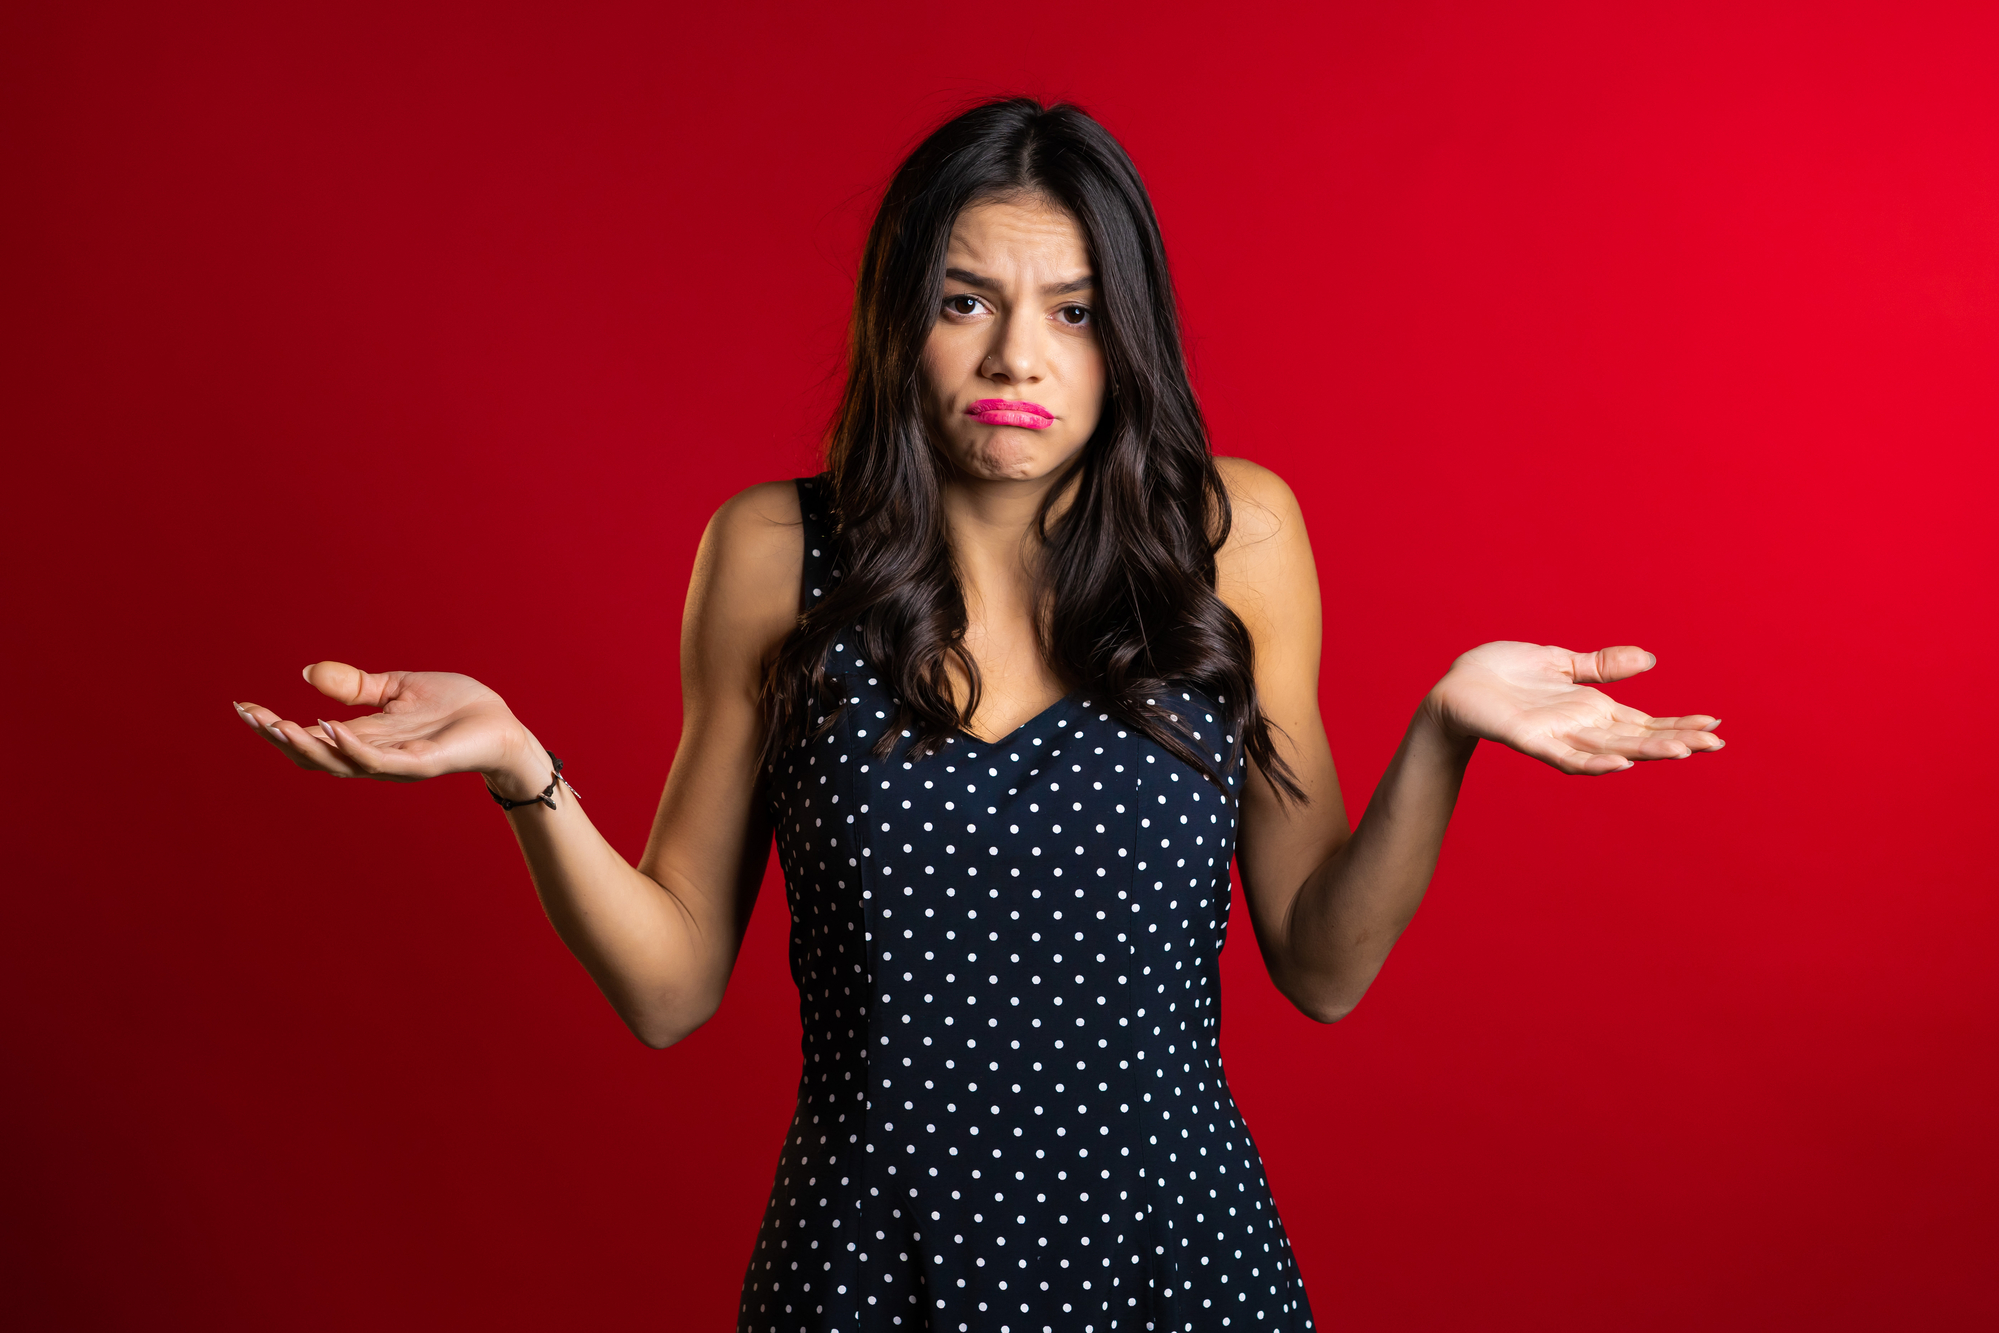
(1008, 412)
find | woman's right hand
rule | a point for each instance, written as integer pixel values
(429, 723)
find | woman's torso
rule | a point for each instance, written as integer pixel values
(1012, 1113)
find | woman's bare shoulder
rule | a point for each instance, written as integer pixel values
(758, 515)
(743, 598)
(1262, 508)
(1264, 571)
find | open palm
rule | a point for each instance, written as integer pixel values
(1538, 700)
(429, 723)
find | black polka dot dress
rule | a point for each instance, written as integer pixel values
(1012, 1117)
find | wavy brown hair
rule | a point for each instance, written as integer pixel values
(1127, 568)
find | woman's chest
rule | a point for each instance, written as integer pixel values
(1074, 820)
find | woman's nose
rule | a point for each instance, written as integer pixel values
(1013, 358)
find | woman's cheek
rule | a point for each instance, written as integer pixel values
(937, 386)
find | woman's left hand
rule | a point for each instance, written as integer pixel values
(1538, 700)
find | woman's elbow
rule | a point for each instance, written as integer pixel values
(1322, 1003)
(1324, 1011)
(660, 1034)
(660, 1026)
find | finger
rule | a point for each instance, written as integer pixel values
(1695, 729)
(262, 721)
(1691, 722)
(1644, 745)
(1641, 744)
(1582, 763)
(310, 751)
(249, 718)
(1692, 729)
(1558, 753)
(352, 685)
(1608, 664)
(297, 744)
(1697, 741)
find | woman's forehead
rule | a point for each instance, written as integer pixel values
(1027, 234)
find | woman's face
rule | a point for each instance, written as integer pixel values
(1013, 371)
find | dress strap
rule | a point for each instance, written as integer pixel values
(815, 508)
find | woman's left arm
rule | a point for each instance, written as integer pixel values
(1328, 901)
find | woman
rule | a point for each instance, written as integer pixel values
(1010, 685)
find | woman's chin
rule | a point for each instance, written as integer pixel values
(1010, 455)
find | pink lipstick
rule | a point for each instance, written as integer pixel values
(1006, 412)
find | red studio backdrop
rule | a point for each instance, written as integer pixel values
(429, 336)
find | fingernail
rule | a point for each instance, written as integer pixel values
(305, 672)
(1651, 660)
(331, 739)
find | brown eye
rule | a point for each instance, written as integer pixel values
(962, 305)
(1073, 315)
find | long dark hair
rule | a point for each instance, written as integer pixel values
(1127, 568)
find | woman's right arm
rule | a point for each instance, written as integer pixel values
(659, 939)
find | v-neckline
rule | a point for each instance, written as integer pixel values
(1002, 740)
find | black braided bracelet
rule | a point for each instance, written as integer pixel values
(547, 796)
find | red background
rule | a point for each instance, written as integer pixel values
(424, 336)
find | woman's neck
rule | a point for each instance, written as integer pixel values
(992, 524)
(996, 547)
